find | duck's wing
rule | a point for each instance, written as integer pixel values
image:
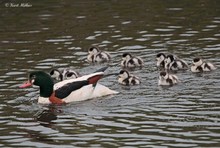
(102, 69)
(65, 88)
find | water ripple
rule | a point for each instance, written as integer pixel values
(147, 115)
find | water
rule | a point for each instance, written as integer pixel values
(58, 34)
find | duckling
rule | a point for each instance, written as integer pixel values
(174, 63)
(56, 74)
(64, 74)
(129, 61)
(160, 57)
(200, 66)
(167, 79)
(125, 78)
(70, 74)
(96, 55)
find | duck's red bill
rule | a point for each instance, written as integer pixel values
(26, 84)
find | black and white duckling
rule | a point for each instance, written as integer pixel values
(167, 79)
(174, 63)
(96, 55)
(64, 74)
(129, 61)
(125, 78)
(199, 66)
(160, 57)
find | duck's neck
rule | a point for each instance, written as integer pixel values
(46, 90)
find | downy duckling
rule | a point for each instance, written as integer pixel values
(174, 63)
(199, 66)
(160, 57)
(64, 74)
(96, 55)
(125, 78)
(167, 79)
(129, 61)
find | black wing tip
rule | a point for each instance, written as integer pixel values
(102, 69)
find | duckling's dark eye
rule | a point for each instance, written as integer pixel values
(124, 55)
(158, 55)
(121, 72)
(163, 73)
(91, 49)
(196, 60)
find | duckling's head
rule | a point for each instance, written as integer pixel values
(126, 56)
(70, 74)
(197, 61)
(93, 50)
(124, 74)
(163, 75)
(56, 74)
(170, 58)
(160, 56)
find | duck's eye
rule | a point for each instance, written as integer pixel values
(163, 74)
(33, 77)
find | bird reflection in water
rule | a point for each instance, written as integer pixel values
(46, 116)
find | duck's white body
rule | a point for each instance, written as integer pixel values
(85, 93)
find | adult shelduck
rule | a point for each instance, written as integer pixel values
(79, 89)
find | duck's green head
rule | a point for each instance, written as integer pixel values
(41, 79)
(38, 78)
